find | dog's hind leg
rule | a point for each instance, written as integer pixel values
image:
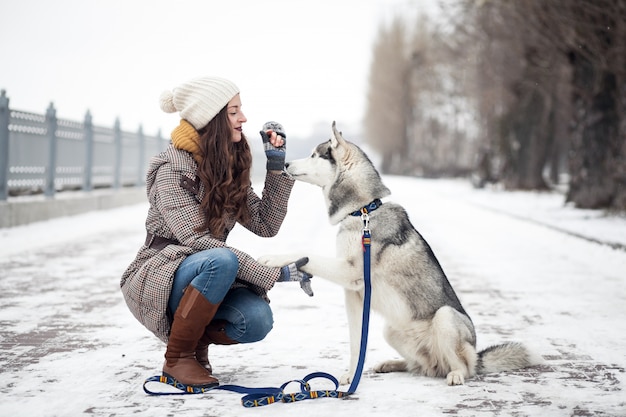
(461, 364)
(453, 354)
(405, 343)
(391, 365)
(439, 347)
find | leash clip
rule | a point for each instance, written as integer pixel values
(366, 220)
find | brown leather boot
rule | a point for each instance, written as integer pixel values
(214, 333)
(191, 318)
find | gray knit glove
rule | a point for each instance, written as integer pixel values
(275, 156)
(292, 272)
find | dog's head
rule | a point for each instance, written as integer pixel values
(345, 173)
(320, 168)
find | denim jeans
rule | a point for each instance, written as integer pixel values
(212, 272)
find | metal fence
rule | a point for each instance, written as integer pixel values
(40, 153)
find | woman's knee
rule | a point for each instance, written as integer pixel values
(261, 323)
(250, 317)
(226, 261)
(216, 274)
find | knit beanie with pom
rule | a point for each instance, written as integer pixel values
(199, 100)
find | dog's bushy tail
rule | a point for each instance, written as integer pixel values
(505, 357)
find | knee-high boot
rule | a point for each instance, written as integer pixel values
(191, 318)
(213, 334)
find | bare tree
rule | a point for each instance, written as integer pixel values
(573, 54)
(439, 108)
(386, 115)
(598, 58)
(518, 96)
(543, 83)
(416, 95)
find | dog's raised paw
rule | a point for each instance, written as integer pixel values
(272, 260)
(265, 260)
(277, 260)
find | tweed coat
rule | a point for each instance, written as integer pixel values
(174, 194)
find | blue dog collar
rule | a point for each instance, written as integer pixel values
(368, 208)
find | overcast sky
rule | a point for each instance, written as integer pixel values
(298, 62)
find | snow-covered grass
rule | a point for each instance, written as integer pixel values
(518, 262)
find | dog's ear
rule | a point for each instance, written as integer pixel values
(336, 139)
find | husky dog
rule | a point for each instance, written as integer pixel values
(424, 319)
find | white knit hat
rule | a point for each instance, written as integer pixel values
(199, 100)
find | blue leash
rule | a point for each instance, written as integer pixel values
(257, 397)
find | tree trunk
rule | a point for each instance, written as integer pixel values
(530, 126)
(597, 159)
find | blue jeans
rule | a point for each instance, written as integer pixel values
(212, 272)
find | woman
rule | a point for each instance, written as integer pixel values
(185, 285)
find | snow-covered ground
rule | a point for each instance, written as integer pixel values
(525, 266)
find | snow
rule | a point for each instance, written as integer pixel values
(526, 266)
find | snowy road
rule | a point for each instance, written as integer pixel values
(69, 346)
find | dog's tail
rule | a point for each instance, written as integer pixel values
(505, 357)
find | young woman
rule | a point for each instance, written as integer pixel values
(185, 285)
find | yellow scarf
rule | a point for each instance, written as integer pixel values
(186, 137)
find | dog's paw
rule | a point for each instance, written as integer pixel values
(345, 379)
(455, 378)
(391, 366)
(277, 260)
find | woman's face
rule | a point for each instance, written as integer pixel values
(236, 118)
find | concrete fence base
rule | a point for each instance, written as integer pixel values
(28, 209)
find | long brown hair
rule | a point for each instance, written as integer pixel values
(225, 173)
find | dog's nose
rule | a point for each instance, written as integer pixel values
(286, 164)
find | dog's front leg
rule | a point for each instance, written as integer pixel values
(280, 260)
(336, 270)
(354, 310)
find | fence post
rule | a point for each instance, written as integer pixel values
(117, 140)
(51, 125)
(142, 155)
(88, 135)
(4, 145)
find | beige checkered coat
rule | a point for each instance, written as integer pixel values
(174, 213)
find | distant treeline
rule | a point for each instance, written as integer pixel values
(526, 93)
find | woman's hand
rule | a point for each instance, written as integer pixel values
(275, 145)
(275, 139)
(292, 272)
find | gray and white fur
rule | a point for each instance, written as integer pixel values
(424, 319)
